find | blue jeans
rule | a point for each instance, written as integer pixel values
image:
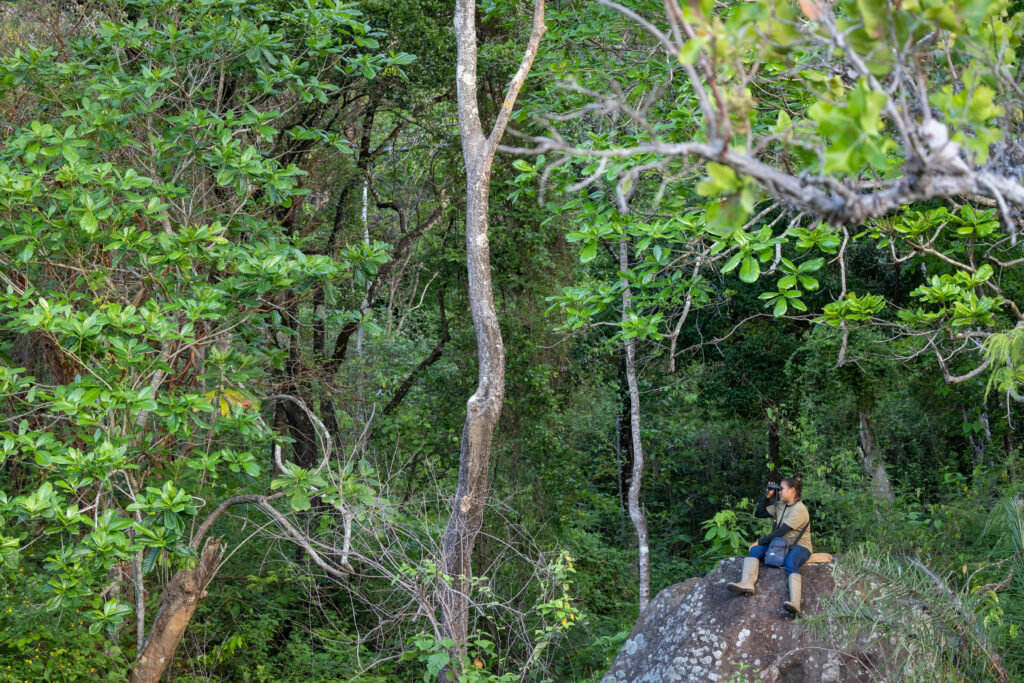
(795, 558)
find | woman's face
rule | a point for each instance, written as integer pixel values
(787, 493)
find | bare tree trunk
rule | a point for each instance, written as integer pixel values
(987, 434)
(774, 460)
(871, 458)
(619, 476)
(483, 410)
(484, 406)
(140, 602)
(979, 442)
(624, 440)
(180, 599)
(636, 512)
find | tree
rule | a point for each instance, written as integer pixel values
(884, 122)
(149, 201)
(636, 513)
(666, 266)
(484, 406)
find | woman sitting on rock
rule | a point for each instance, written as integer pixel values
(792, 522)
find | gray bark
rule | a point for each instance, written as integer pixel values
(618, 457)
(871, 458)
(979, 442)
(484, 406)
(140, 602)
(636, 512)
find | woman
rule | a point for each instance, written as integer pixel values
(793, 522)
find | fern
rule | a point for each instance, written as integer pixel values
(1005, 353)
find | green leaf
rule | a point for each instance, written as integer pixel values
(809, 283)
(691, 49)
(436, 662)
(149, 561)
(731, 264)
(750, 270)
(299, 500)
(874, 14)
(588, 252)
(812, 265)
(782, 122)
(88, 223)
(780, 306)
(724, 218)
(720, 179)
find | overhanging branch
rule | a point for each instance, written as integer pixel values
(852, 208)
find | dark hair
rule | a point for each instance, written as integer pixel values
(795, 483)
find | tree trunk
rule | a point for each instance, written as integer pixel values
(624, 435)
(180, 599)
(774, 461)
(482, 412)
(987, 434)
(636, 512)
(620, 477)
(979, 442)
(484, 406)
(871, 458)
(140, 601)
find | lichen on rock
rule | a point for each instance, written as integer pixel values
(698, 631)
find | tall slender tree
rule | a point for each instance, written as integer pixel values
(636, 511)
(484, 406)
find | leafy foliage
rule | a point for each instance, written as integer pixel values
(182, 235)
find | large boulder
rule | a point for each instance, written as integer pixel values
(699, 631)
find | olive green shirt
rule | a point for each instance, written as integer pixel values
(796, 517)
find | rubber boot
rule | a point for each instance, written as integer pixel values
(795, 586)
(746, 584)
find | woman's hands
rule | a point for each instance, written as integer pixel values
(762, 507)
(752, 546)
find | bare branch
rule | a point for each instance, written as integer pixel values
(958, 379)
(322, 431)
(803, 194)
(536, 33)
(204, 528)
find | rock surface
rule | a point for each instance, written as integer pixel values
(699, 631)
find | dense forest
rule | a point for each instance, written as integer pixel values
(430, 339)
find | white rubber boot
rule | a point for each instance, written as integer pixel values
(746, 584)
(795, 587)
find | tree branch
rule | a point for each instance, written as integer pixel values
(295, 536)
(536, 33)
(958, 379)
(804, 193)
(403, 243)
(406, 384)
(204, 528)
